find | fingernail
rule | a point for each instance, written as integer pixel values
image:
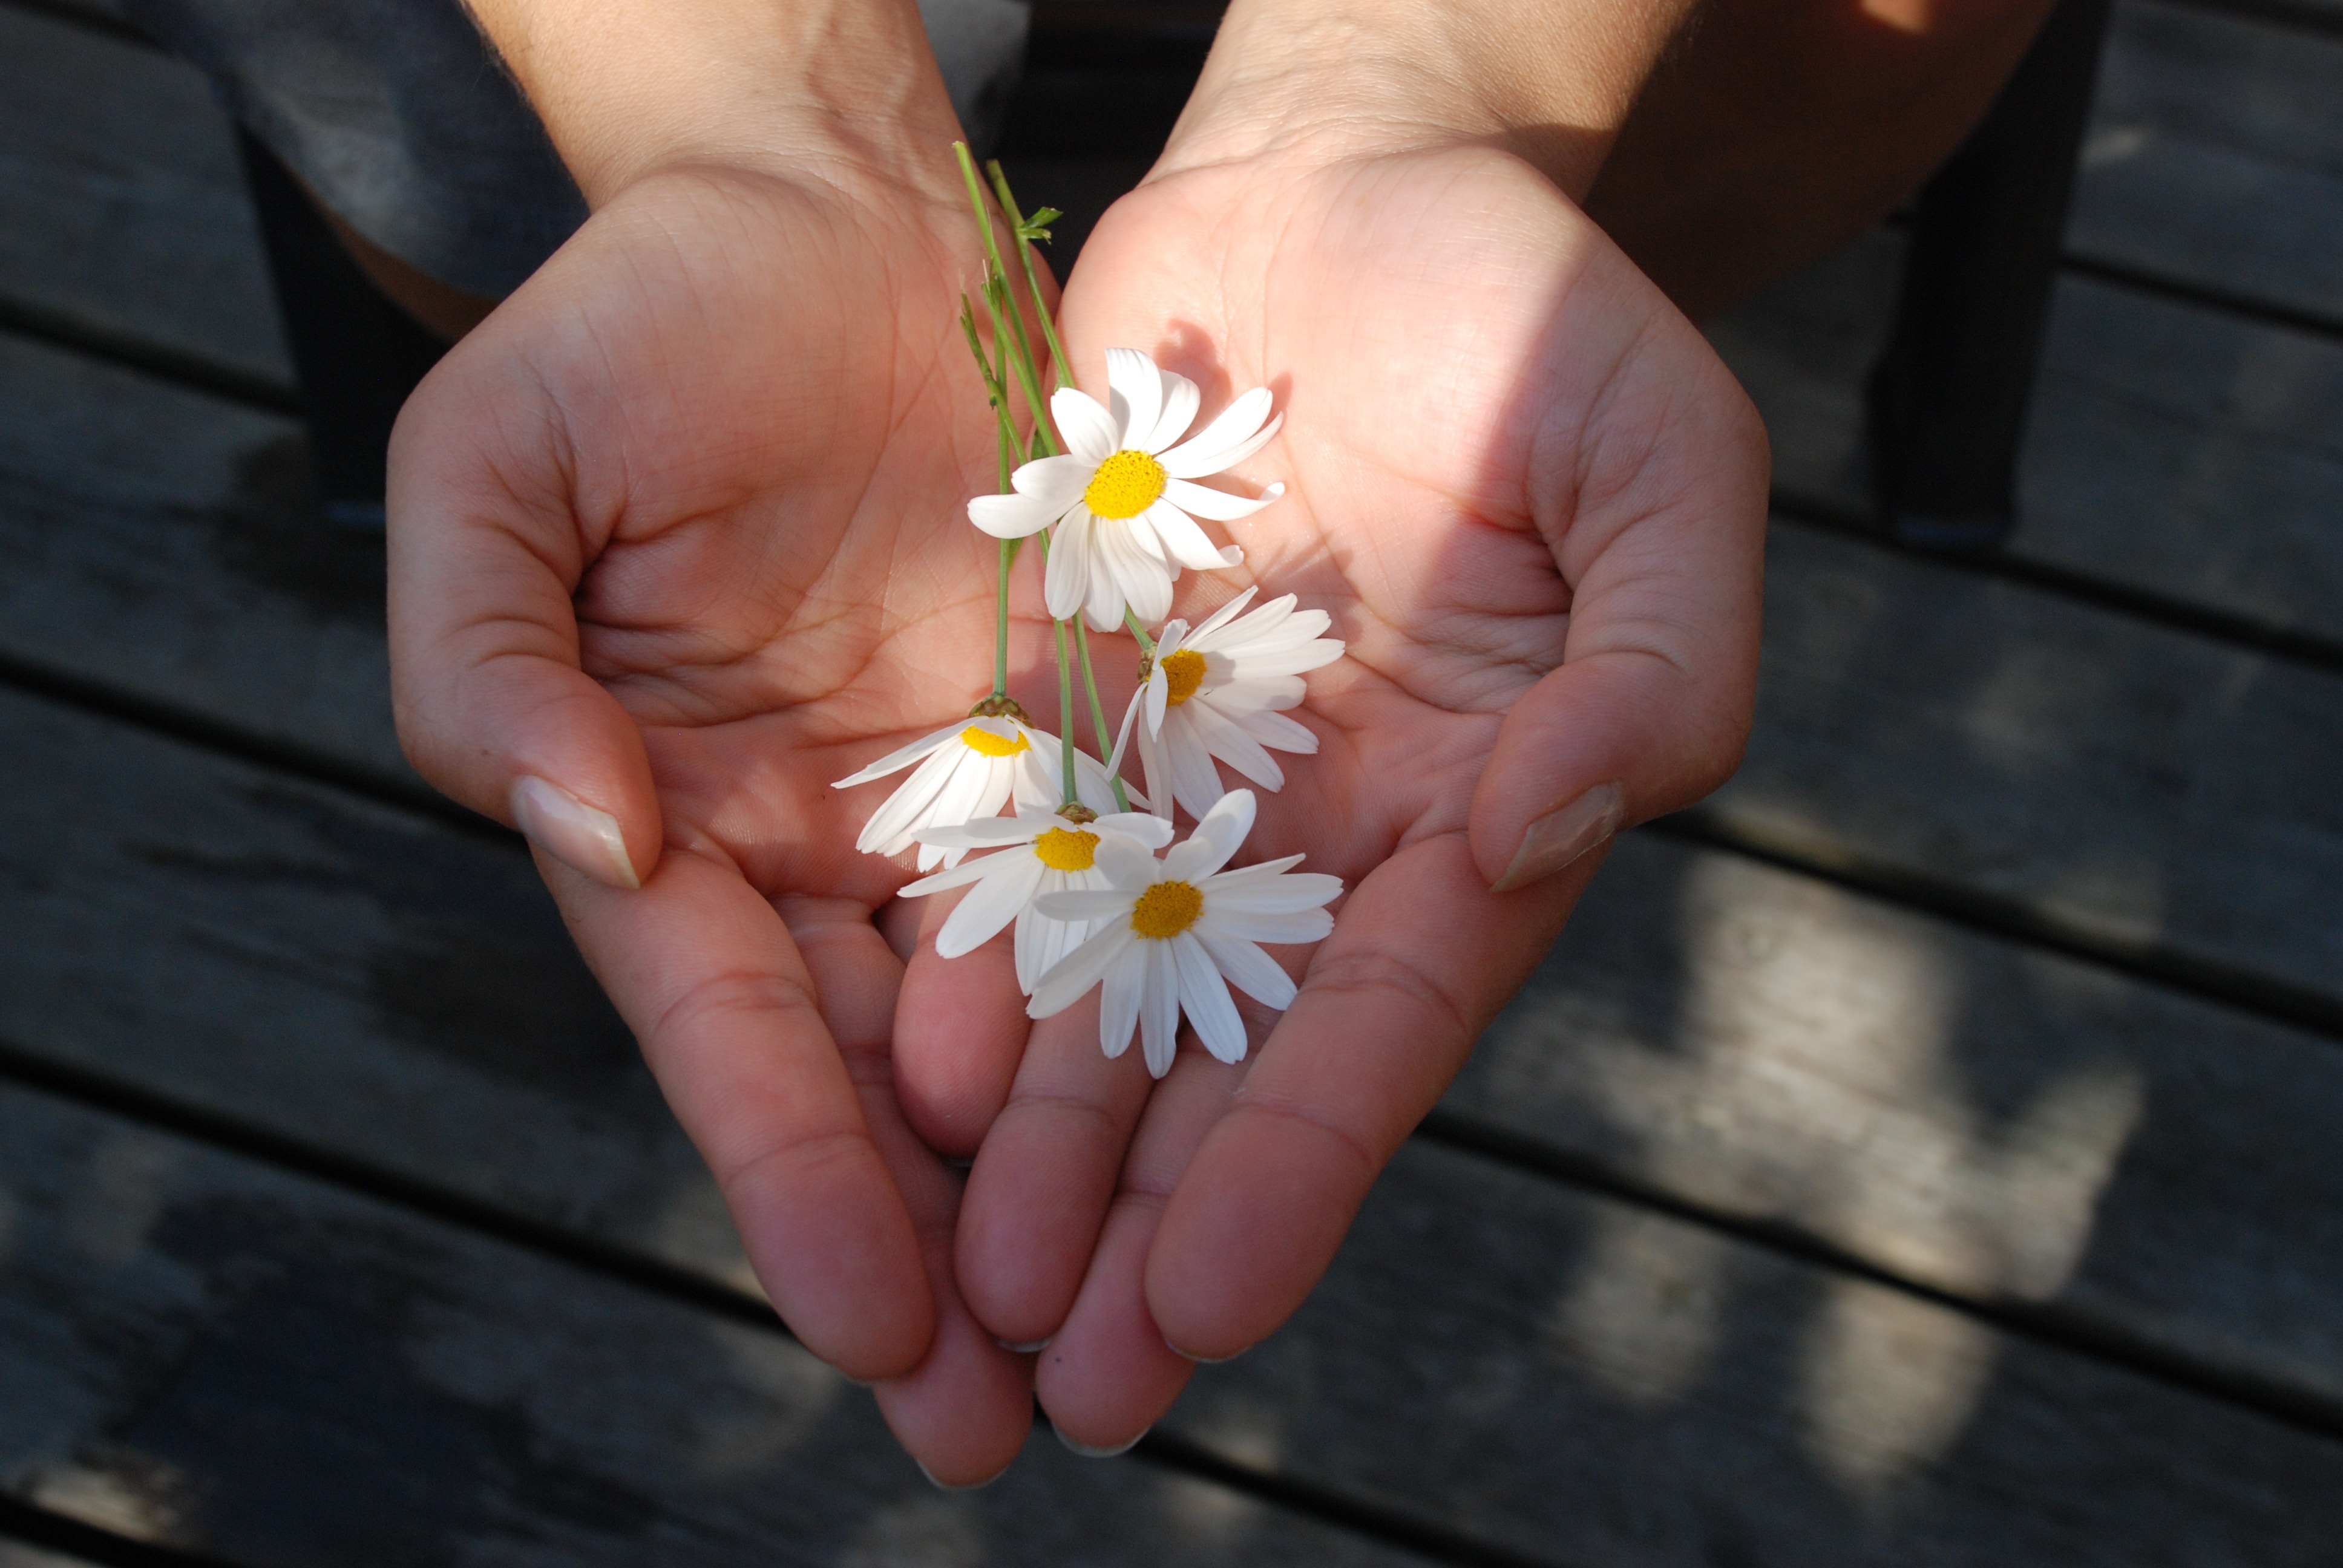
(1203, 1361)
(1089, 1451)
(963, 1485)
(585, 841)
(1024, 1349)
(1558, 837)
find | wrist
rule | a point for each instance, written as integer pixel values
(1320, 81)
(844, 89)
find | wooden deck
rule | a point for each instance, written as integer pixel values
(1928, 1152)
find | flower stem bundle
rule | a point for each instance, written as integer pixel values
(1111, 491)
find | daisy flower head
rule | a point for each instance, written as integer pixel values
(968, 770)
(1036, 853)
(1122, 494)
(1174, 934)
(1219, 691)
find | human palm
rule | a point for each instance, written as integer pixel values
(1532, 499)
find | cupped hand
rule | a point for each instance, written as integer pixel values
(676, 539)
(1532, 501)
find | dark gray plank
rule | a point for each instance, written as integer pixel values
(382, 987)
(122, 212)
(198, 1350)
(2216, 155)
(2140, 787)
(2171, 449)
(18, 1554)
(155, 540)
(2001, 1123)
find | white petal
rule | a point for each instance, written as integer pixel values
(1125, 865)
(959, 876)
(1155, 762)
(1089, 429)
(1059, 481)
(1204, 997)
(889, 830)
(1067, 581)
(1123, 573)
(991, 905)
(1259, 872)
(902, 757)
(1202, 638)
(1034, 780)
(1123, 736)
(1159, 1008)
(1217, 505)
(1277, 731)
(1157, 693)
(1092, 786)
(1152, 831)
(1188, 544)
(1227, 441)
(1181, 399)
(1261, 664)
(1195, 782)
(1091, 904)
(1263, 623)
(1258, 693)
(1070, 980)
(1119, 1001)
(1272, 895)
(1131, 378)
(1286, 929)
(990, 832)
(1219, 834)
(1249, 970)
(1232, 746)
(1011, 516)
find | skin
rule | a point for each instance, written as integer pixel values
(678, 529)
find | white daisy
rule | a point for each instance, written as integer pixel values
(970, 769)
(1217, 692)
(1179, 931)
(1040, 852)
(1122, 501)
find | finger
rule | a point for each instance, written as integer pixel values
(706, 974)
(1651, 705)
(1110, 1374)
(960, 1031)
(1423, 956)
(485, 553)
(964, 1411)
(1042, 1182)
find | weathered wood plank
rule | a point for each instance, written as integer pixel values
(183, 920)
(2216, 155)
(198, 1350)
(2136, 786)
(1999, 1122)
(155, 540)
(2171, 449)
(123, 210)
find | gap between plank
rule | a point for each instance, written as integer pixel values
(60, 330)
(2324, 654)
(29, 1524)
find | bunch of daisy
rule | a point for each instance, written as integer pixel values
(1083, 866)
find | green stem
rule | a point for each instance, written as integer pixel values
(1066, 714)
(1098, 710)
(1007, 325)
(1146, 643)
(1032, 279)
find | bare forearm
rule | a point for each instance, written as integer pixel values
(625, 87)
(1552, 80)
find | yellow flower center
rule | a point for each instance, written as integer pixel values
(1166, 909)
(985, 743)
(1125, 486)
(1063, 851)
(1183, 672)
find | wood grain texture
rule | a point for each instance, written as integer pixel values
(2143, 787)
(1999, 1122)
(2171, 449)
(2216, 156)
(198, 1350)
(122, 212)
(380, 986)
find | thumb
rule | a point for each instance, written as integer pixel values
(1650, 707)
(486, 551)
